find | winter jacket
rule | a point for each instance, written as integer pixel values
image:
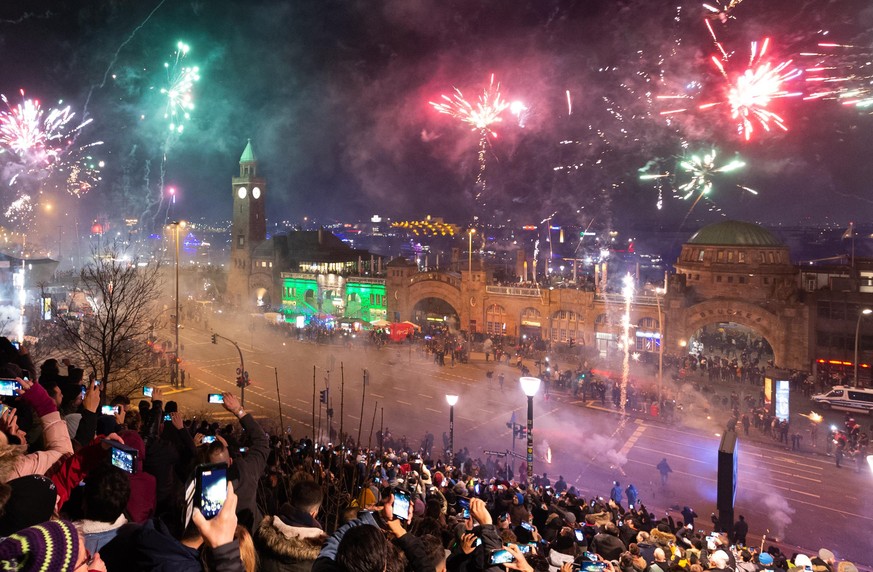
(57, 440)
(607, 546)
(249, 469)
(143, 486)
(149, 547)
(285, 547)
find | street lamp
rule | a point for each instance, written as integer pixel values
(864, 312)
(530, 386)
(177, 226)
(470, 233)
(451, 400)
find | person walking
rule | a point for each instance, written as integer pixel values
(632, 496)
(665, 470)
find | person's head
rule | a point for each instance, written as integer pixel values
(217, 452)
(122, 400)
(719, 559)
(247, 552)
(307, 496)
(659, 555)
(26, 501)
(107, 490)
(53, 545)
(434, 549)
(642, 536)
(362, 549)
(610, 528)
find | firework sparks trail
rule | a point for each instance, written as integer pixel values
(750, 93)
(842, 72)
(480, 117)
(702, 168)
(627, 292)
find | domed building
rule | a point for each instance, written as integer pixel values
(736, 259)
(739, 273)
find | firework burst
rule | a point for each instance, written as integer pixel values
(702, 168)
(180, 89)
(750, 93)
(41, 144)
(480, 116)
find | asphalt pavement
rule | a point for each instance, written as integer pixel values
(799, 498)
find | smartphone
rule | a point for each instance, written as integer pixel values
(97, 383)
(211, 489)
(243, 449)
(476, 488)
(123, 457)
(580, 536)
(208, 439)
(168, 417)
(501, 556)
(593, 566)
(110, 410)
(3, 408)
(402, 507)
(9, 387)
(16, 344)
(148, 391)
(523, 548)
(630, 507)
(215, 398)
(527, 526)
(83, 391)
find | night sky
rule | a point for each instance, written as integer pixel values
(334, 94)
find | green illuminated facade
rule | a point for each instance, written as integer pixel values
(354, 298)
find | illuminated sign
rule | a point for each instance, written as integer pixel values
(782, 393)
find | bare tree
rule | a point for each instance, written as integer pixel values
(111, 317)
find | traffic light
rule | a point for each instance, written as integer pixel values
(214, 338)
(519, 431)
(243, 380)
(323, 396)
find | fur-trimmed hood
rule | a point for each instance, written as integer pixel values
(661, 539)
(289, 542)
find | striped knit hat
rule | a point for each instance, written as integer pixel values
(52, 546)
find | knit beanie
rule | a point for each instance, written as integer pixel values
(31, 501)
(52, 545)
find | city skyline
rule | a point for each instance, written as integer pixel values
(336, 101)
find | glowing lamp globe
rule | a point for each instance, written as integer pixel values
(530, 385)
(451, 400)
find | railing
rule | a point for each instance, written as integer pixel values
(510, 291)
(449, 278)
(639, 300)
(365, 280)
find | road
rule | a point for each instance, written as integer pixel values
(801, 499)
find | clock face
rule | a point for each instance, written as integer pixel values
(256, 193)
(241, 192)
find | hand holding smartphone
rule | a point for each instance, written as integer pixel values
(9, 387)
(402, 507)
(211, 489)
(215, 398)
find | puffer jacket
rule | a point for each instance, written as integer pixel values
(287, 548)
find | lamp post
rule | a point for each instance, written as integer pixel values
(470, 233)
(530, 386)
(864, 312)
(451, 400)
(177, 225)
(658, 292)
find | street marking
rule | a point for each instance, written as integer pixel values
(434, 410)
(425, 396)
(400, 389)
(631, 441)
(403, 402)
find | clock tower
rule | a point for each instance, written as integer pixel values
(249, 226)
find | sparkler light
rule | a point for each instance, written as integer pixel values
(750, 93)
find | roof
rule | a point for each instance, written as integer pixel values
(734, 233)
(316, 246)
(248, 155)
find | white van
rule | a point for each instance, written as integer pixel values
(846, 398)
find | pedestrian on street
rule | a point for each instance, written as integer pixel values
(615, 493)
(500, 379)
(688, 516)
(665, 470)
(741, 529)
(632, 496)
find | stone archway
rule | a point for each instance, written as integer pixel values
(763, 322)
(438, 289)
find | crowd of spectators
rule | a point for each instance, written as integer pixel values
(68, 504)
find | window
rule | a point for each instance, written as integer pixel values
(697, 277)
(650, 324)
(719, 256)
(700, 255)
(741, 257)
(770, 258)
(372, 299)
(766, 280)
(730, 279)
(240, 241)
(495, 319)
(718, 278)
(742, 279)
(566, 324)
(730, 256)
(835, 393)
(861, 396)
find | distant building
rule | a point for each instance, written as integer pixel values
(311, 274)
